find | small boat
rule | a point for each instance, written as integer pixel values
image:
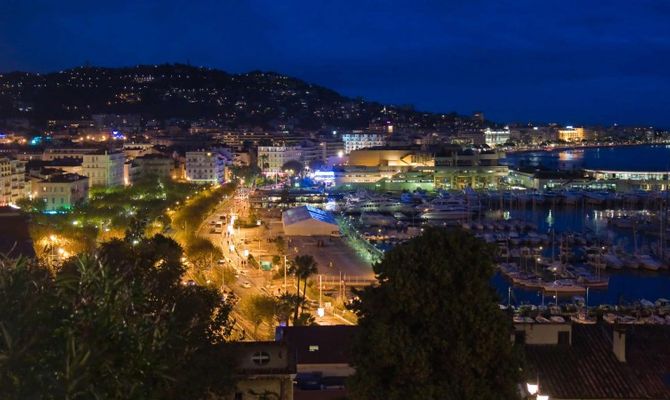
(649, 263)
(612, 261)
(564, 287)
(592, 282)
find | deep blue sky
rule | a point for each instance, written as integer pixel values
(565, 61)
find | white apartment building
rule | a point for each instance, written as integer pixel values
(271, 159)
(497, 137)
(104, 168)
(205, 167)
(13, 184)
(361, 140)
(62, 191)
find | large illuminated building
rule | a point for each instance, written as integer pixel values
(271, 159)
(361, 140)
(12, 181)
(61, 191)
(104, 168)
(401, 157)
(632, 180)
(571, 134)
(457, 168)
(205, 167)
(497, 137)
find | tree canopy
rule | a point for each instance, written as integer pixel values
(293, 165)
(116, 323)
(432, 328)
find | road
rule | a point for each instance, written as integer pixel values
(252, 281)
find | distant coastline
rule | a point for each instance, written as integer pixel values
(582, 146)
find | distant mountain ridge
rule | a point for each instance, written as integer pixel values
(195, 93)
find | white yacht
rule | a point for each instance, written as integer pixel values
(445, 208)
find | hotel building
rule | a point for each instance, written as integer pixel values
(205, 167)
(12, 181)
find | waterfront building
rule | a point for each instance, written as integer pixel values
(632, 180)
(104, 168)
(205, 167)
(546, 180)
(496, 137)
(458, 169)
(408, 180)
(354, 174)
(468, 138)
(403, 157)
(267, 199)
(61, 191)
(361, 140)
(152, 165)
(571, 134)
(13, 185)
(271, 159)
(309, 221)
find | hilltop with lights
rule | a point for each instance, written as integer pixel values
(254, 99)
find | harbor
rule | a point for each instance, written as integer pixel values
(550, 246)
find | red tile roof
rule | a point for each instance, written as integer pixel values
(589, 369)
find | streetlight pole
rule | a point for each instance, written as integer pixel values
(284, 274)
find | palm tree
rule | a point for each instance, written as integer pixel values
(303, 266)
(264, 162)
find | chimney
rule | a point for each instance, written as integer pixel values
(619, 344)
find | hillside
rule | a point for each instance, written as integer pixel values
(192, 93)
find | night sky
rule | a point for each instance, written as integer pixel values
(571, 62)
